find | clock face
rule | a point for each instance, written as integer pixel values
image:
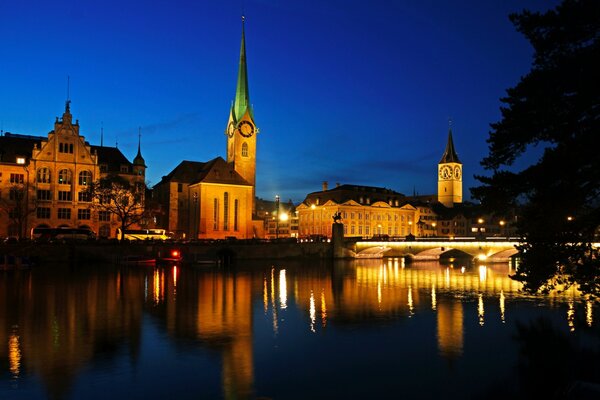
(230, 129)
(457, 172)
(246, 128)
(446, 172)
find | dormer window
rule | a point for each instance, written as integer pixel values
(20, 160)
(124, 169)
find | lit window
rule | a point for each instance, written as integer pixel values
(20, 160)
(244, 149)
(85, 178)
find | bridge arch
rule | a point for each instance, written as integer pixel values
(441, 253)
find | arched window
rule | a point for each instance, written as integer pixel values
(85, 178)
(43, 175)
(65, 177)
(244, 149)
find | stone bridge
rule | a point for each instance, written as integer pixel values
(488, 250)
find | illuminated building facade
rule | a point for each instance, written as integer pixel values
(43, 180)
(450, 176)
(216, 199)
(365, 211)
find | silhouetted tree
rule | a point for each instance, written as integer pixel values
(118, 196)
(18, 207)
(556, 106)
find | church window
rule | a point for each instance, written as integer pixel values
(244, 149)
(85, 178)
(235, 215)
(43, 175)
(226, 211)
(65, 177)
(216, 214)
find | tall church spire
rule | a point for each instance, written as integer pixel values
(450, 155)
(242, 94)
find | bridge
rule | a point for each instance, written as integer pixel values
(488, 250)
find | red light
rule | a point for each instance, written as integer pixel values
(175, 253)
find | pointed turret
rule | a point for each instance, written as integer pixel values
(242, 94)
(67, 117)
(139, 160)
(450, 155)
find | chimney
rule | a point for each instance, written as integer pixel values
(324, 186)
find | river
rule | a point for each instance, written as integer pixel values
(290, 330)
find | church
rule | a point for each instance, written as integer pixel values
(215, 199)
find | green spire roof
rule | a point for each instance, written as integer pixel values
(242, 94)
(450, 155)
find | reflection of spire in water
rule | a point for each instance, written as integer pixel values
(450, 329)
(588, 313)
(571, 316)
(433, 297)
(282, 289)
(312, 311)
(480, 310)
(502, 306)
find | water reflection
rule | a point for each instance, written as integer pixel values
(56, 324)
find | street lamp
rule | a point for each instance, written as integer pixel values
(277, 218)
(502, 223)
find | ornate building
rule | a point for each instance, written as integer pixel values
(44, 180)
(216, 199)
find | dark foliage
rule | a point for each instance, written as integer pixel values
(555, 106)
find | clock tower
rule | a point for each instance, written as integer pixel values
(241, 130)
(450, 176)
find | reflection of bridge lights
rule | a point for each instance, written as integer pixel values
(323, 309)
(588, 313)
(480, 310)
(410, 302)
(482, 257)
(433, 298)
(462, 270)
(482, 273)
(265, 294)
(312, 311)
(502, 306)
(14, 355)
(571, 316)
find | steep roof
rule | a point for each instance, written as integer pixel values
(13, 145)
(450, 155)
(111, 156)
(214, 171)
(241, 103)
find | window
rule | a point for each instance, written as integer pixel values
(65, 177)
(65, 148)
(103, 168)
(83, 213)
(103, 216)
(104, 231)
(367, 230)
(44, 195)
(85, 178)
(179, 187)
(43, 175)
(216, 214)
(64, 213)
(226, 211)
(64, 196)
(16, 194)
(43, 212)
(352, 230)
(84, 196)
(244, 149)
(235, 215)
(124, 169)
(20, 160)
(17, 178)
(360, 229)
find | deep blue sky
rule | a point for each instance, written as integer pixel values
(343, 91)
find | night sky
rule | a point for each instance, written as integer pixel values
(343, 91)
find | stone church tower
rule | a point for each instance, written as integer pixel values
(450, 176)
(241, 129)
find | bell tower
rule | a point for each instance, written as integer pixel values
(241, 130)
(450, 175)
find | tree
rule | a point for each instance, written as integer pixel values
(116, 195)
(18, 207)
(556, 107)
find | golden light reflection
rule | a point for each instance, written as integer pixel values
(323, 309)
(282, 290)
(571, 316)
(433, 297)
(588, 313)
(447, 276)
(379, 292)
(480, 310)
(119, 285)
(159, 286)
(482, 273)
(411, 306)
(312, 311)
(502, 306)
(174, 278)
(14, 355)
(272, 282)
(265, 294)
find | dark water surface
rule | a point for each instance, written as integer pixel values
(290, 330)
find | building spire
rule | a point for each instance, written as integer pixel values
(241, 103)
(139, 160)
(450, 155)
